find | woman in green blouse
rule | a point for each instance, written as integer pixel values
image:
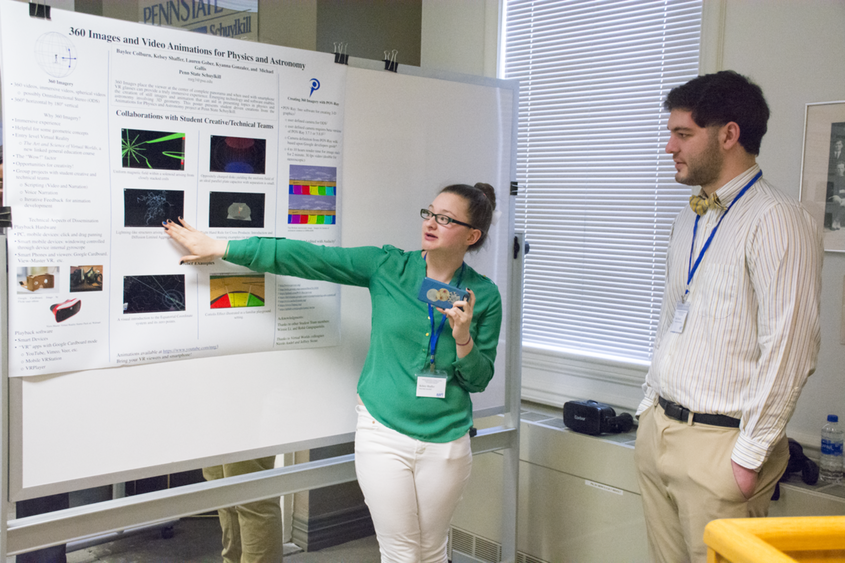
(412, 451)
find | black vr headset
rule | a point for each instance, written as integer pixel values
(590, 417)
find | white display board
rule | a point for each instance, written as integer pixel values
(404, 138)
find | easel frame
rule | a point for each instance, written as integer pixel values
(35, 532)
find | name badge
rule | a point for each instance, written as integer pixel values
(681, 312)
(431, 385)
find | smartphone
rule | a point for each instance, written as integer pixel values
(441, 294)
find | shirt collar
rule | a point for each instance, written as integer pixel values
(729, 191)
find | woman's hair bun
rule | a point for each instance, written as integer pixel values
(488, 191)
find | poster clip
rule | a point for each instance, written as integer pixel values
(39, 11)
(514, 188)
(5, 217)
(390, 60)
(340, 56)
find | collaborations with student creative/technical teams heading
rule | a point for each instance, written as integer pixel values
(106, 139)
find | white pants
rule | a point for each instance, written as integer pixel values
(412, 489)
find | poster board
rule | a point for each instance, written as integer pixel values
(404, 137)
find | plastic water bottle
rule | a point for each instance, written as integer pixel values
(830, 464)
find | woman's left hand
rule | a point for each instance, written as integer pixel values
(199, 245)
(460, 318)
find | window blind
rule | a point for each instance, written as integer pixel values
(597, 191)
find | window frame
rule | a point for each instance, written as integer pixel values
(553, 376)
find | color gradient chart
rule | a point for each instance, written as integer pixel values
(229, 291)
(312, 195)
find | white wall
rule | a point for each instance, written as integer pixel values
(795, 51)
(460, 36)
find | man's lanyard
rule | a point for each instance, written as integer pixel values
(692, 268)
(435, 336)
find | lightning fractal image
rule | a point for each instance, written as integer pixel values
(148, 208)
(152, 149)
(153, 294)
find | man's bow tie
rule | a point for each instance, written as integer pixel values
(700, 204)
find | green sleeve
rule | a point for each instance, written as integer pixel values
(475, 370)
(349, 266)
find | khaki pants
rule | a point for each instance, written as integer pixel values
(252, 533)
(686, 480)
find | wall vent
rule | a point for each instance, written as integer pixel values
(523, 558)
(459, 557)
(480, 549)
(462, 541)
(487, 550)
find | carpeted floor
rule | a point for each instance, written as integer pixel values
(359, 551)
(197, 540)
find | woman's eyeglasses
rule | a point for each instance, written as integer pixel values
(442, 219)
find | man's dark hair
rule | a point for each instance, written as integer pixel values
(718, 99)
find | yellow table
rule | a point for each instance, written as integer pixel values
(815, 539)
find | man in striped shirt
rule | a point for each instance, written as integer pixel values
(739, 326)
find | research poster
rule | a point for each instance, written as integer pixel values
(111, 128)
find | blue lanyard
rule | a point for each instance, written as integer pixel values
(435, 336)
(692, 268)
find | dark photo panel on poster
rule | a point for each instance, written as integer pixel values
(86, 278)
(237, 155)
(153, 294)
(149, 208)
(156, 150)
(236, 210)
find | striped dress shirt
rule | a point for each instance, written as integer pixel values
(752, 334)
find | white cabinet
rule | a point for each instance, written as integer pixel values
(578, 499)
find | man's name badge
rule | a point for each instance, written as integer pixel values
(431, 385)
(681, 312)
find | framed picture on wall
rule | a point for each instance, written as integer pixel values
(823, 170)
